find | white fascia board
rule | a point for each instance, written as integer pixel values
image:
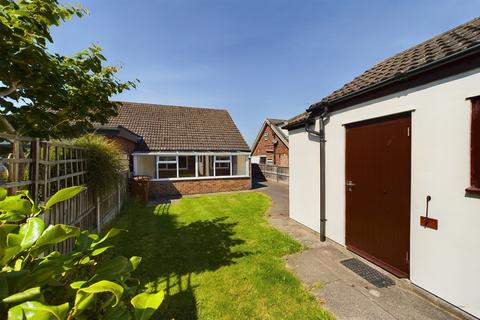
(190, 153)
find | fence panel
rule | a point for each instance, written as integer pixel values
(272, 173)
(43, 168)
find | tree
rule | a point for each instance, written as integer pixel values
(45, 94)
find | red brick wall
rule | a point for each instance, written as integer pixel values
(160, 189)
(126, 145)
(277, 152)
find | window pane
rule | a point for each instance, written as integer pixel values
(239, 165)
(223, 158)
(186, 166)
(223, 165)
(205, 166)
(167, 170)
(146, 166)
(171, 166)
(167, 158)
(222, 169)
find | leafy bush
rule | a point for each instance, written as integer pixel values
(41, 284)
(104, 162)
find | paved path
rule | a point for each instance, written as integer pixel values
(340, 290)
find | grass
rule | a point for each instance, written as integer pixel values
(216, 257)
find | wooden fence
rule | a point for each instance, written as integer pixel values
(271, 173)
(43, 168)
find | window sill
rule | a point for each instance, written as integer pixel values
(473, 190)
(199, 178)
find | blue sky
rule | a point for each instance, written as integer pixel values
(256, 58)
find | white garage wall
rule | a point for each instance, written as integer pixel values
(304, 171)
(445, 262)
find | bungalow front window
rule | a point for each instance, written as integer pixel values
(167, 167)
(186, 166)
(201, 166)
(223, 165)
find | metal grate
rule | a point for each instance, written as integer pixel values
(373, 276)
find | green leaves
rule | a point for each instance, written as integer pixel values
(23, 296)
(89, 285)
(118, 266)
(30, 232)
(34, 310)
(110, 234)
(64, 194)
(17, 204)
(3, 194)
(15, 208)
(53, 95)
(55, 234)
(146, 304)
(12, 216)
(86, 294)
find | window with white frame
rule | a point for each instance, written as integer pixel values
(166, 167)
(201, 166)
(223, 165)
(186, 166)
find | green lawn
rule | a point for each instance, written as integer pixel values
(217, 258)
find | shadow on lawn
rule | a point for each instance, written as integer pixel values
(172, 252)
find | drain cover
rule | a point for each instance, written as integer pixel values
(368, 273)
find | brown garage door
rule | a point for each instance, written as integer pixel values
(377, 186)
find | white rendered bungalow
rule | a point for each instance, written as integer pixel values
(389, 166)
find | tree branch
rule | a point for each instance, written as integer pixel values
(9, 90)
(7, 125)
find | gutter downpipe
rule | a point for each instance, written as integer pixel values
(321, 134)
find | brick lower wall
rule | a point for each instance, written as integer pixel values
(159, 189)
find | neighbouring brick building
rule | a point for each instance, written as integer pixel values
(271, 144)
(183, 150)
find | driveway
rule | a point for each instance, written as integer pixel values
(343, 292)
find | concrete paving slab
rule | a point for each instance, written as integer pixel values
(306, 268)
(341, 291)
(350, 304)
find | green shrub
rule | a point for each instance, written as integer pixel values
(36, 283)
(104, 162)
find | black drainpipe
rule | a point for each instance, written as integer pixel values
(321, 134)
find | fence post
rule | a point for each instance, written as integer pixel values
(15, 176)
(99, 228)
(119, 204)
(36, 167)
(46, 168)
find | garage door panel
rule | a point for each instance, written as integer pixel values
(378, 191)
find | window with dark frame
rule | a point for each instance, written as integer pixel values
(475, 147)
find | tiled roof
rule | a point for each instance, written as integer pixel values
(450, 43)
(300, 118)
(278, 124)
(455, 42)
(180, 128)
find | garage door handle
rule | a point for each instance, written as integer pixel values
(350, 185)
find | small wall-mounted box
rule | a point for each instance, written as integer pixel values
(429, 223)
